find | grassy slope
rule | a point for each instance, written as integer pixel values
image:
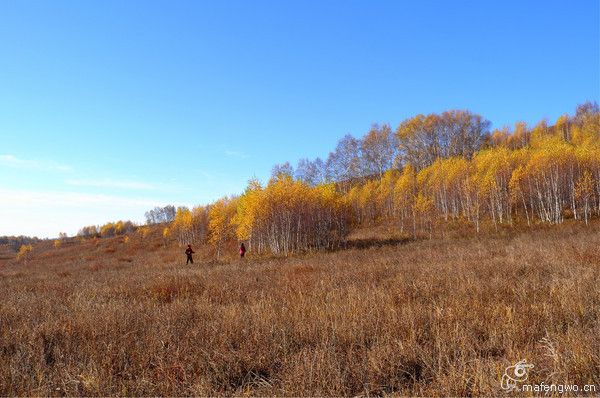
(439, 317)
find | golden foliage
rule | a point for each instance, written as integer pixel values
(24, 251)
(289, 215)
(220, 225)
(540, 174)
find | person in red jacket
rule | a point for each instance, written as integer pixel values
(242, 250)
(189, 253)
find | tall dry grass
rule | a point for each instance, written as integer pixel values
(436, 318)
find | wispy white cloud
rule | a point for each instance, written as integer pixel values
(46, 213)
(236, 154)
(14, 197)
(12, 161)
(111, 183)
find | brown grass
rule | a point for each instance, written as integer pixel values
(436, 318)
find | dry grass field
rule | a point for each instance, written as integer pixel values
(442, 317)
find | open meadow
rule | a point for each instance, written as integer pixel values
(439, 317)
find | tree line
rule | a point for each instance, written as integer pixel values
(15, 242)
(160, 215)
(107, 230)
(432, 169)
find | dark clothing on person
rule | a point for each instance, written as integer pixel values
(242, 250)
(189, 253)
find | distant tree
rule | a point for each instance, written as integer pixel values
(539, 133)
(586, 110)
(586, 124)
(311, 172)
(150, 216)
(283, 169)
(88, 232)
(160, 215)
(344, 163)
(124, 227)
(499, 137)
(378, 149)
(424, 139)
(169, 213)
(562, 127)
(107, 230)
(23, 253)
(520, 137)
(418, 141)
(462, 133)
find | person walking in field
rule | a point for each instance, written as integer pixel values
(242, 250)
(189, 253)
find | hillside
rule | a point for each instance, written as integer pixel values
(435, 318)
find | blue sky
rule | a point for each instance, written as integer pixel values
(108, 108)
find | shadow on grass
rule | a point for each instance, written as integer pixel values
(374, 242)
